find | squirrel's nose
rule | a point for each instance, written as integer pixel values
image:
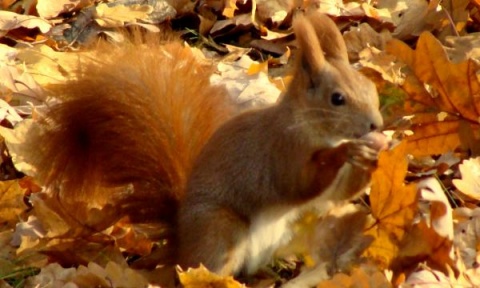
(376, 122)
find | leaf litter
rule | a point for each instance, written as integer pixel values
(418, 224)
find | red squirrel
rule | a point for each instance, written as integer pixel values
(230, 185)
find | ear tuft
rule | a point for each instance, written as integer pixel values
(311, 54)
(329, 36)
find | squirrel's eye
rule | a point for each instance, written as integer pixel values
(338, 99)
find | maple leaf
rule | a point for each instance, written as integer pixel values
(393, 205)
(436, 86)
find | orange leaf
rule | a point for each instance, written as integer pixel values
(201, 277)
(230, 7)
(393, 204)
(440, 86)
(433, 134)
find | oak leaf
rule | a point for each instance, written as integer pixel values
(393, 205)
(436, 86)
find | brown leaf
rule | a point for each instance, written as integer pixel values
(133, 241)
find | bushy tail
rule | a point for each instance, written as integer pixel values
(137, 114)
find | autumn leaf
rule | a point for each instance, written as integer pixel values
(431, 237)
(439, 86)
(92, 275)
(117, 16)
(50, 9)
(469, 185)
(360, 277)
(12, 204)
(200, 277)
(229, 9)
(393, 205)
(130, 239)
(10, 21)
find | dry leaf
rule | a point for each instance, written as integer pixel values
(133, 241)
(362, 37)
(14, 80)
(15, 140)
(469, 185)
(363, 277)
(46, 65)
(275, 11)
(330, 244)
(425, 278)
(435, 82)
(52, 8)
(10, 21)
(463, 48)
(431, 238)
(247, 90)
(229, 9)
(200, 277)
(467, 229)
(117, 16)
(12, 205)
(393, 204)
(93, 275)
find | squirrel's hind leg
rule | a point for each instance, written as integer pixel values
(213, 236)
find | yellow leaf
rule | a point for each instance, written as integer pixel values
(116, 16)
(201, 277)
(10, 20)
(433, 134)
(230, 7)
(11, 201)
(393, 204)
(256, 68)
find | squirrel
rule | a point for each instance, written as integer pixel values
(229, 183)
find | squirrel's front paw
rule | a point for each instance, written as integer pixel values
(363, 152)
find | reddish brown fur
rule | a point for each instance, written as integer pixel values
(264, 165)
(140, 114)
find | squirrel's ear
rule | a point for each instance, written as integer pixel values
(329, 36)
(311, 54)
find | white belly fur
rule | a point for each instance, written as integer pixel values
(272, 229)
